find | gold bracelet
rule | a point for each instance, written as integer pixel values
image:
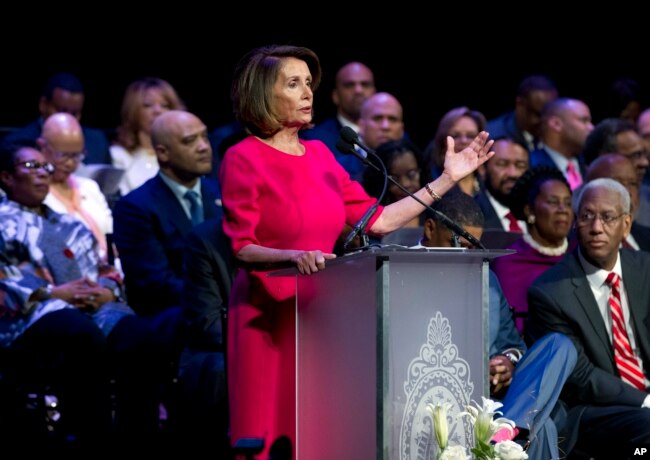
(431, 192)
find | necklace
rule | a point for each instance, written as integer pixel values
(561, 249)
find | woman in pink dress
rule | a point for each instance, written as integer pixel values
(286, 201)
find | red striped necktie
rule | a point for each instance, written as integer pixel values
(626, 362)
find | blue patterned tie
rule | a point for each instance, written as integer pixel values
(196, 209)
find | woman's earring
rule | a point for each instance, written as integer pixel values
(531, 219)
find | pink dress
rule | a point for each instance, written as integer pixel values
(279, 201)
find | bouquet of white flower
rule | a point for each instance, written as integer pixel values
(485, 426)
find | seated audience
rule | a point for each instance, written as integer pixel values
(523, 124)
(63, 93)
(354, 84)
(63, 145)
(151, 223)
(542, 198)
(143, 101)
(598, 296)
(621, 169)
(462, 124)
(404, 163)
(64, 253)
(208, 269)
(500, 173)
(528, 381)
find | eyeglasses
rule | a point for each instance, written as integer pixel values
(33, 166)
(412, 175)
(607, 218)
(65, 156)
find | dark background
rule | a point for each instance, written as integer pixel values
(427, 64)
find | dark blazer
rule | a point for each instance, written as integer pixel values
(208, 278)
(149, 229)
(489, 214)
(560, 300)
(540, 157)
(95, 141)
(641, 234)
(506, 126)
(328, 132)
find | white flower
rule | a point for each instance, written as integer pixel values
(454, 453)
(440, 425)
(483, 420)
(510, 450)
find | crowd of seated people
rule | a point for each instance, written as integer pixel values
(153, 327)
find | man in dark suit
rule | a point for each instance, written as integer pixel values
(354, 84)
(566, 123)
(151, 222)
(63, 92)
(621, 169)
(509, 162)
(523, 124)
(607, 414)
(203, 408)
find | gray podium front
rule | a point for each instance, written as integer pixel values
(379, 335)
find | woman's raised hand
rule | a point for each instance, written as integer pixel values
(459, 165)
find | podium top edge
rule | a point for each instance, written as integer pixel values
(402, 252)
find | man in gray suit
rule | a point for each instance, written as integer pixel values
(608, 401)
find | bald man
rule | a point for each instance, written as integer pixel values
(622, 169)
(152, 221)
(566, 123)
(381, 120)
(354, 84)
(62, 143)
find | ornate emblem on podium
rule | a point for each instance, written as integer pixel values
(437, 375)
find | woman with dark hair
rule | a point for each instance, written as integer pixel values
(542, 198)
(404, 163)
(286, 201)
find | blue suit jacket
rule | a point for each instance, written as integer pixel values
(503, 334)
(328, 132)
(506, 126)
(95, 141)
(150, 229)
(540, 157)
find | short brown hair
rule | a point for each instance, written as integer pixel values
(253, 81)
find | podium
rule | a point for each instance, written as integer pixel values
(380, 334)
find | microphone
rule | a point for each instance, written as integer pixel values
(360, 227)
(348, 137)
(346, 147)
(351, 137)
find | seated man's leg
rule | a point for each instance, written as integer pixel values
(613, 431)
(535, 389)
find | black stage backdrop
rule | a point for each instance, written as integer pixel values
(477, 64)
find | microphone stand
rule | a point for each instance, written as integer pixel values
(456, 229)
(360, 227)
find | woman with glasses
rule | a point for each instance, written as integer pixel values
(62, 144)
(463, 125)
(542, 198)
